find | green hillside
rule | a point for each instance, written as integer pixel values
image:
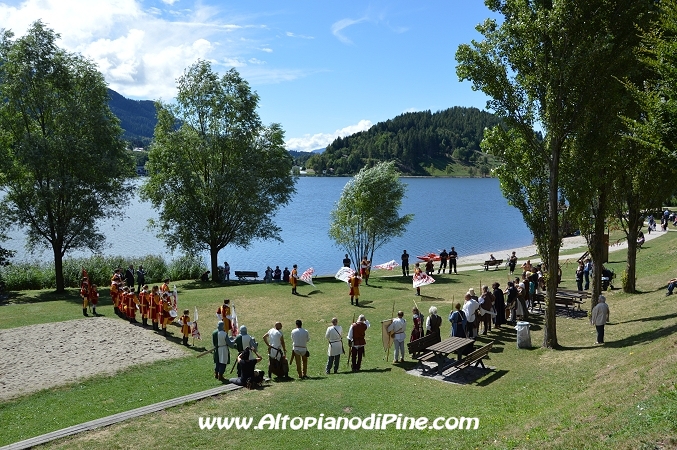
(137, 118)
(422, 143)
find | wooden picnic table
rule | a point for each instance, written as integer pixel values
(443, 349)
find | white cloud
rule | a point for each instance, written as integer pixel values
(142, 50)
(339, 26)
(300, 36)
(320, 140)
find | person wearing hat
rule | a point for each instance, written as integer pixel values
(357, 341)
(599, 317)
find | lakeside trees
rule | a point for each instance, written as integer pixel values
(217, 175)
(366, 215)
(63, 163)
(546, 68)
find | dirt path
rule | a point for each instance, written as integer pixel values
(41, 356)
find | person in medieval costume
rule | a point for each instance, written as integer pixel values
(357, 341)
(243, 341)
(277, 352)
(221, 343)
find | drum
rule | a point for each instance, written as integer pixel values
(173, 314)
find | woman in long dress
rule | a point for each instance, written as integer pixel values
(499, 305)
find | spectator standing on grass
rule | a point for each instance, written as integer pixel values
(587, 269)
(433, 322)
(334, 335)
(579, 276)
(397, 329)
(226, 270)
(512, 262)
(443, 261)
(499, 305)
(458, 322)
(299, 339)
(452, 256)
(129, 277)
(140, 279)
(405, 264)
(599, 317)
(470, 308)
(346, 261)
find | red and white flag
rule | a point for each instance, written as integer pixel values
(390, 265)
(422, 280)
(344, 274)
(175, 299)
(234, 326)
(194, 331)
(307, 276)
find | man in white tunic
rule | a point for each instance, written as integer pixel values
(334, 335)
(470, 308)
(398, 329)
(300, 338)
(277, 350)
(223, 342)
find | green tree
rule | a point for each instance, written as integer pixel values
(64, 164)
(541, 69)
(217, 175)
(367, 214)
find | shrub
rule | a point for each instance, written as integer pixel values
(186, 267)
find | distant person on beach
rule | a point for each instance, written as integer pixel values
(285, 275)
(346, 261)
(293, 279)
(405, 264)
(443, 261)
(226, 271)
(512, 263)
(268, 276)
(277, 275)
(598, 317)
(452, 259)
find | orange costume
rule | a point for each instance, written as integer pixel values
(144, 303)
(354, 289)
(84, 293)
(115, 294)
(185, 327)
(131, 306)
(293, 279)
(224, 312)
(93, 298)
(154, 309)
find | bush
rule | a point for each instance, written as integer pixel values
(187, 267)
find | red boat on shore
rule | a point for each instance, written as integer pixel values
(429, 257)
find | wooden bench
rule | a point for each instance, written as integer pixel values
(564, 298)
(492, 262)
(245, 275)
(475, 358)
(417, 348)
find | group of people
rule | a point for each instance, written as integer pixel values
(278, 363)
(276, 274)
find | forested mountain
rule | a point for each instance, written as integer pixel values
(421, 143)
(137, 118)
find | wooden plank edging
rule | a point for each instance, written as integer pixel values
(119, 417)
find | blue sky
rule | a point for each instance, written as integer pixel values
(323, 69)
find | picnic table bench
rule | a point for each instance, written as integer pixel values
(245, 275)
(475, 358)
(440, 351)
(418, 347)
(566, 298)
(492, 262)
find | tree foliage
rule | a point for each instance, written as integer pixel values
(63, 163)
(412, 140)
(367, 214)
(217, 175)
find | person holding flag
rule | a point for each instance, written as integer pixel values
(223, 313)
(194, 331)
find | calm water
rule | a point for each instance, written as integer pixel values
(468, 213)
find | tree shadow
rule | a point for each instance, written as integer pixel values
(19, 298)
(650, 319)
(372, 370)
(645, 336)
(495, 375)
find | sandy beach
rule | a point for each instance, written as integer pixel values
(528, 252)
(41, 356)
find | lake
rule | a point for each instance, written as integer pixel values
(470, 214)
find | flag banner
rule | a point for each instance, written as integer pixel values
(422, 280)
(234, 326)
(344, 274)
(195, 332)
(307, 276)
(386, 337)
(390, 265)
(175, 299)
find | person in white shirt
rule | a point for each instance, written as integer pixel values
(470, 307)
(398, 329)
(277, 351)
(598, 317)
(334, 335)
(299, 339)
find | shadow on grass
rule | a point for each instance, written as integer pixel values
(372, 370)
(18, 298)
(495, 375)
(650, 335)
(650, 319)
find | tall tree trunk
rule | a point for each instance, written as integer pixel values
(597, 247)
(633, 226)
(213, 257)
(550, 334)
(58, 270)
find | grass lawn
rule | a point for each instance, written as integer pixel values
(621, 395)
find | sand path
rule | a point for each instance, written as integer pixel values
(41, 356)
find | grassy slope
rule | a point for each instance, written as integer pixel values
(581, 396)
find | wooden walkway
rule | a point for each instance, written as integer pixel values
(115, 418)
